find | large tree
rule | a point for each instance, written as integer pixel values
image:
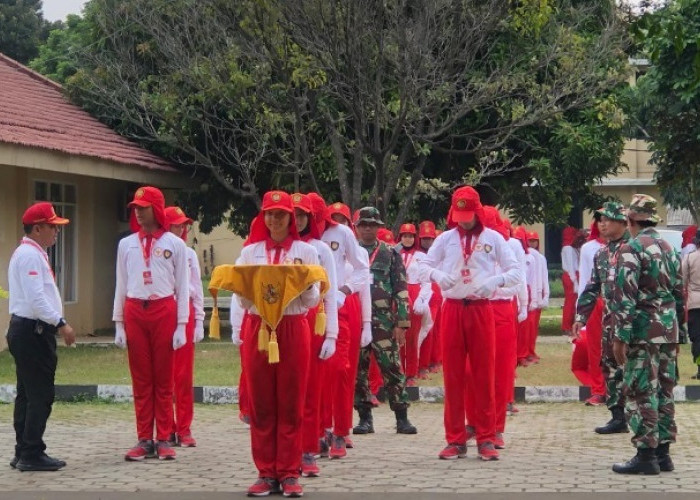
(23, 28)
(370, 102)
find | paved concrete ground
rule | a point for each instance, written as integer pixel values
(551, 448)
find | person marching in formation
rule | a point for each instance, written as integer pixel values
(36, 315)
(541, 296)
(151, 311)
(613, 226)
(389, 324)
(569, 277)
(429, 357)
(594, 324)
(519, 234)
(688, 243)
(419, 295)
(324, 333)
(277, 390)
(691, 280)
(469, 262)
(354, 325)
(183, 360)
(648, 325)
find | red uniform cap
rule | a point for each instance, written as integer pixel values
(303, 203)
(385, 235)
(466, 203)
(340, 208)
(277, 200)
(426, 229)
(493, 221)
(42, 213)
(175, 215)
(532, 235)
(148, 196)
(407, 229)
(272, 200)
(520, 234)
(322, 215)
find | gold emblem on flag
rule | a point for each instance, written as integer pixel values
(271, 293)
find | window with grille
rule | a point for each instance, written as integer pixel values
(63, 255)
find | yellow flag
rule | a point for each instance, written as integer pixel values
(215, 324)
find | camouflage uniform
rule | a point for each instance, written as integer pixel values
(601, 285)
(389, 310)
(647, 309)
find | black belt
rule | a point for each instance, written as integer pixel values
(469, 302)
(35, 325)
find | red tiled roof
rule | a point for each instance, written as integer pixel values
(34, 112)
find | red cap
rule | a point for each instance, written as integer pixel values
(302, 202)
(355, 216)
(520, 234)
(176, 216)
(272, 200)
(322, 215)
(532, 235)
(466, 203)
(42, 213)
(426, 229)
(340, 208)
(407, 229)
(277, 200)
(385, 235)
(149, 196)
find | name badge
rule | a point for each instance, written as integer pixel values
(466, 276)
(147, 278)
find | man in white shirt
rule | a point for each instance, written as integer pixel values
(540, 296)
(469, 262)
(151, 311)
(36, 314)
(569, 277)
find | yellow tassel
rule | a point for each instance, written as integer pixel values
(263, 338)
(273, 352)
(320, 326)
(215, 325)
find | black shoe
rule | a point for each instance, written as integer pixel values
(13, 462)
(40, 463)
(403, 426)
(663, 457)
(641, 463)
(613, 427)
(173, 440)
(366, 425)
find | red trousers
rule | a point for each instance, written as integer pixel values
(276, 394)
(436, 302)
(579, 359)
(150, 326)
(468, 334)
(570, 296)
(524, 333)
(183, 381)
(504, 315)
(534, 318)
(243, 402)
(409, 351)
(594, 334)
(314, 383)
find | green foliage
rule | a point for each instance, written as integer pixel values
(22, 28)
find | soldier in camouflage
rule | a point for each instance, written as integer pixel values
(613, 227)
(389, 324)
(648, 324)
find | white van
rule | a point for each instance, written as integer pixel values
(673, 236)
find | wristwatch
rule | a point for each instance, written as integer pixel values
(61, 323)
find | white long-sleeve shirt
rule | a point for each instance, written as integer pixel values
(33, 291)
(520, 289)
(300, 253)
(491, 256)
(196, 291)
(543, 281)
(330, 303)
(586, 263)
(168, 268)
(410, 263)
(570, 262)
(533, 279)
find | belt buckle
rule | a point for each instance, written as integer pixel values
(466, 302)
(144, 304)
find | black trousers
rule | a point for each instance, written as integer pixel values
(694, 333)
(33, 345)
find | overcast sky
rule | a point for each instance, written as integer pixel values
(59, 9)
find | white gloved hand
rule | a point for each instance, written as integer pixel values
(522, 314)
(366, 338)
(426, 323)
(532, 306)
(198, 330)
(544, 303)
(327, 349)
(420, 307)
(443, 279)
(340, 298)
(179, 337)
(488, 286)
(120, 335)
(236, 337)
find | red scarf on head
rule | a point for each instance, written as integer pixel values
(595, 233)
(568, 235)
(689, 235)
(259, 231)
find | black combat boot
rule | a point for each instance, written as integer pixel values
(644, 462)
(664, 459)
(403, 426)
(366, 425)
(616, 424)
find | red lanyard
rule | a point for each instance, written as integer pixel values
(468, 255)
(271, 258)
(30, 242)
(146, 250)
(374, 254)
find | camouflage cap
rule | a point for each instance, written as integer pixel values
(613, 210)
(369, 215)
(643, 207)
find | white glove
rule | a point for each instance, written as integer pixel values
(544, 303)
(327, 349)
(120, 335)
(236, 337)
(198, 330)
(426, 323)
(532, 306)
(366, 338)
(420, 307)
(522, 314)
(179, 337)
(488, 286)
(443, 279)
(340, 298)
